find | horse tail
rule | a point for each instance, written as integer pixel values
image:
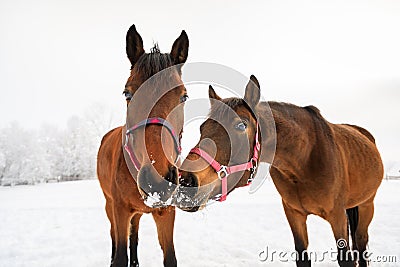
(352, 216)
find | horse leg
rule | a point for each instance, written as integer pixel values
(133, 240)
(122, 217)
(352, 216)
(297, 222)
(110, 217)
(366, 212)
(338, 221)
(165, 219)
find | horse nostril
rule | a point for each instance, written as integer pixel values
(189, 180)
(188, 189)
(172, 175)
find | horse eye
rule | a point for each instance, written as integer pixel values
(184, 98)
(128, 95)
(241, 126)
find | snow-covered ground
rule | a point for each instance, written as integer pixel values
(64, 224)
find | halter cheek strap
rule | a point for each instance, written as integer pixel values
(143, 123)
(224, 171)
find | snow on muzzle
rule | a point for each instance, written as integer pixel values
(156, 190)
(191, 199)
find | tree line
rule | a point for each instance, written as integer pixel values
(30, 156)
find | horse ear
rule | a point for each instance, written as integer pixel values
(180, 48)
(134, 45)
(252, 93)
(212, 94)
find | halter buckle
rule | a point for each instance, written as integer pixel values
(223, 172)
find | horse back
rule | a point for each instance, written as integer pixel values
(355, 138)
(363, 131)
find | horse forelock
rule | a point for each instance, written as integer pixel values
(223, 108)
(152, 63)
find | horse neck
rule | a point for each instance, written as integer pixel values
(293, 140)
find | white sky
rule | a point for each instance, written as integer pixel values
(59, 57)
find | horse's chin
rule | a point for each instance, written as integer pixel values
(153, 200)
(155, 190)
(192, 209)
(196, 204)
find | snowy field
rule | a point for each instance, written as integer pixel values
(64, 224)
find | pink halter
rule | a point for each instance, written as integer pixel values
(143, 123)
(224, 171)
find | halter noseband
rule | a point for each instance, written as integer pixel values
(143, 123)
(224, 171)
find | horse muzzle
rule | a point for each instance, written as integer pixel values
(157, 191)
(190, 196)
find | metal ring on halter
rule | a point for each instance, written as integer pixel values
(126, 137)
(223, 172)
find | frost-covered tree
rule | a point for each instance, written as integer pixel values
(50, 141)
(74, 150)
(30, 156)
(23, 159)
(99, 119)
(2, 165)
(81, 140)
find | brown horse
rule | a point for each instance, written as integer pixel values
(123, 186)
(330, 170)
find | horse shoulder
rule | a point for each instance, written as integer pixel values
(106, 163)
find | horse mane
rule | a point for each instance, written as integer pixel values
(151, 63)
(291, 112)
(320, 123)
(313, 109)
